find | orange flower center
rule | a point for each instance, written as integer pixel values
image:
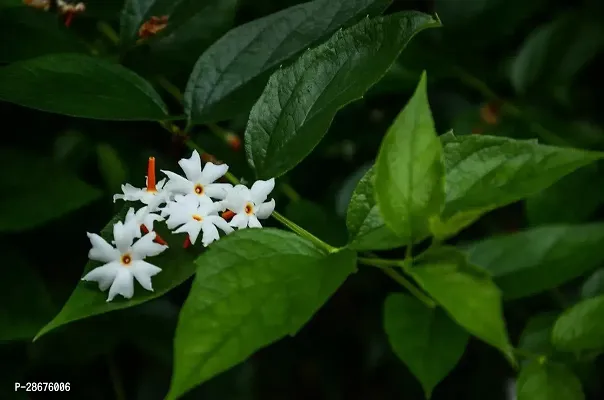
(199, 189)
(126, 260)
(197, 217)
(249, 209)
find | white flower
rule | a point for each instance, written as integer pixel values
(249, 204)
(124, 263)
(153, 194)
(196, 214)
(142, 218)
(198, 182)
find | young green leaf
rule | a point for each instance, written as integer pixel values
(467, 293)
(366, 226)
(299, 102)
(536, 335)
(409, 172)
(425, 339)
(251, 288)
(80, 86)
(487, 172)
(230, 75)
(38, 34)
(38, 191)
(581, 327)
(594, 285)
(548, 381)
(177, 265)
(111, 166)
(542, 258)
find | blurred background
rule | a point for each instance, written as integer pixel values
(516, 68)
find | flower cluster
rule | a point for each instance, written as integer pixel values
(193, 204)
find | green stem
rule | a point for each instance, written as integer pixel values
(303, 232)
(116, 380)
(380, 262)
(529, 355)
(108, 32)
(410, 287)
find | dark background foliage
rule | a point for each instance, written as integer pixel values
(516, 68)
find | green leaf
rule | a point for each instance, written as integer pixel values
(581, 327)
(230, 75)
(409, 173)
(80, 86)
(486, 172)
(251, 288)
(467, 293)
(38, 191)
(594, 285)
(577, 36)
(177, 266)
(299, 102)
(542, 258)
(111, 166)
(38, 34)
(573, 199)
(548, 381)
(134, 14)
(425, 339)
(366, 226)
(536, 336)
(26, 304)
(317, 220)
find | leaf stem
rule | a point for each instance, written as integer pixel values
(108, 31)
(529, 354)
(410, 287)
(303, 232)
(118, 385)
(380, 262)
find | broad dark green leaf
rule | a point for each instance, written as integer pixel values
(573, 199)
(230, 75)
(594, 285)
(80, 86)
(467, 293)
(37, 190)
(581, 327)
(299, 102)
(38, 33)
(576, 36)
(425, 339)
(251, 288)
(177, 265)
(409, 172)
(548, 381)
(486, 172)
(542, 258)
(366, 227)
(536, 336)
(26, 304)
(111, 166)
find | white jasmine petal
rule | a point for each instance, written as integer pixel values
(104, 275)
(146, 247)
(261, 189)
(123, 235)
(211, 172)
(143, 271)
(239, 221)
(217, 190)
(177, 183)
(101, 250)
(264, 210)
(220, 223)
(192, 167)
(192, 228)
(123, 284)
(237, 199)
(253, 222)
(210, 233)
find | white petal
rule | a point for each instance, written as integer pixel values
(210, 233)
(123, 284)
(192, 167)
(132, 221)
(211, 172)
(265, 210)
(123, 236)
(104, 275)
(217, 190)
(261, 189)
(149, 219)
(160, 185)
(192, 229)
(239, 221)
(131, 193)
(101, 250)
(253, 222)
(146, 247)
(143, 271)
(237, 199)
(220, 223)
(177, 183)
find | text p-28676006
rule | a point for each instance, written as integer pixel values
(43, 386)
